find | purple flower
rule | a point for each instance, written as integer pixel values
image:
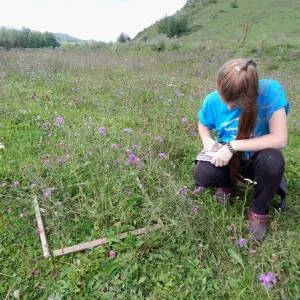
(158, 138)
(59, 121)
(127, 130)
(47, 193)
(44, 125)
(242, 242)
(193, 133)
(61, 160)
(116, 162)
(116, 146)
(46, 159)
(132, 159)
(184, 120)
(198, 190)
(112, 253)
(134, 146)
(268, 279)
(102, 131)
(162, 155)
(195, 209)
(182, 191)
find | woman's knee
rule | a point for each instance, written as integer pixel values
(207, 175)
(270, 161)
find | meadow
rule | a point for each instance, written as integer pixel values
(106, 140)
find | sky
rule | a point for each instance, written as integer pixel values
(101, 20)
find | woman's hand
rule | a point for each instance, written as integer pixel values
(222, 157)
(210, 145)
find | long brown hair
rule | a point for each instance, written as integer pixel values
(237, 84)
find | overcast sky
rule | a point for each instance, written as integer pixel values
(86, 19)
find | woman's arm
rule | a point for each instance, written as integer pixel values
(209, 144)
(277, 138)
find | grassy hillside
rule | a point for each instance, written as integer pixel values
(250, 22)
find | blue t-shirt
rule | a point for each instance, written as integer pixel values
(215, 114)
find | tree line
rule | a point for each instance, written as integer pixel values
(26, 38)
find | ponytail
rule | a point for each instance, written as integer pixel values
(238, 85)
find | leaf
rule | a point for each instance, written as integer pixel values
(236, 257)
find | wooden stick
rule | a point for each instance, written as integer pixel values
(100, 242)
(41, 229)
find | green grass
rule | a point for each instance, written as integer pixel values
(195, 255)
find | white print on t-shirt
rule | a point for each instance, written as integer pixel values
(230, 121)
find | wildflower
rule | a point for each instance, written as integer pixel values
(116, 146)
(198, 190)
(61, 160)
(46, 159)
(1, 146)
(47, 193)
(158, 138)
(252, 251)
(195, 209)
(112, 254)
(132, 159)
(16, 294)
(127, 130)
(102, 131)
(16, 184)
(242, 242)
(59, 121)
(193, 133)
(182, 191)
(162, 155)
(134, 146)
(184, 120)
(116, 162)
(178, 94)
(268, 279)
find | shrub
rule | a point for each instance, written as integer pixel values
(173, 26)
(158, 44)
(234, 4)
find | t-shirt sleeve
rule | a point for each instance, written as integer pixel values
(205, 114)
(276, 99)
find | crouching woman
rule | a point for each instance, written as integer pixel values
(249, 116)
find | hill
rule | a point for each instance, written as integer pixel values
(66, 38)
(230, 21)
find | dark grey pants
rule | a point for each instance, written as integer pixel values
(266, 168)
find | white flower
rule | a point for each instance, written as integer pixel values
(1, 146)
(250, 181)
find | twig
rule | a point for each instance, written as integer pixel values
(41, 229)
(100, 242)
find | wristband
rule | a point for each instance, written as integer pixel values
(229, 146)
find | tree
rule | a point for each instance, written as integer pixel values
(123, 38)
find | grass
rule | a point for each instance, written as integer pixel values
(195, 256)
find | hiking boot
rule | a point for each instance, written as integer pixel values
(224, 195)
(257, 226)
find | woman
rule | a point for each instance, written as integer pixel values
(250, 118)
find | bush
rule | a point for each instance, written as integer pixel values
(173, 26)
(158, 44)
(234, 4)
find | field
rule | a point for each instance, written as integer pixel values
(105, 139)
